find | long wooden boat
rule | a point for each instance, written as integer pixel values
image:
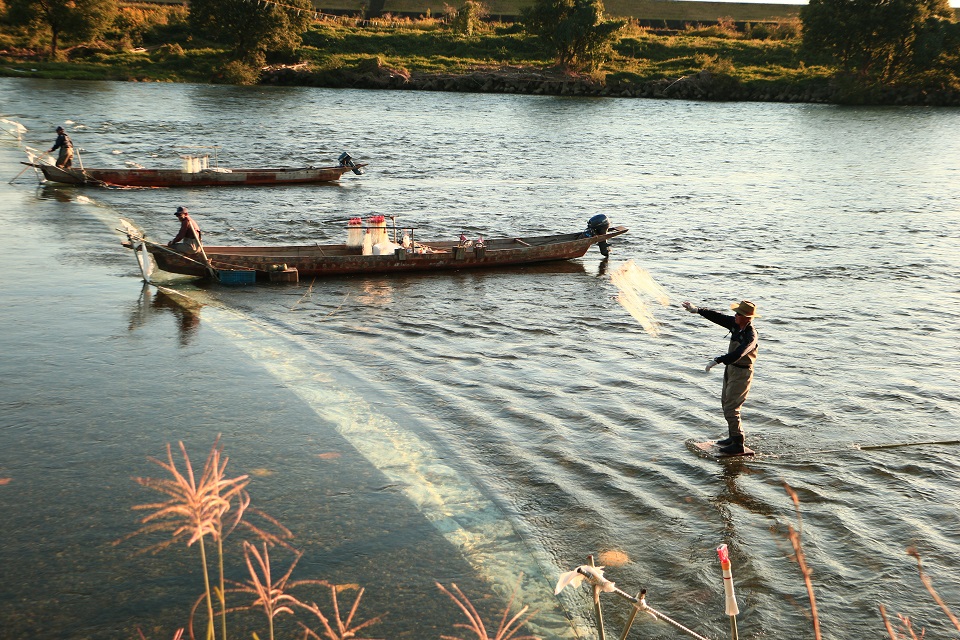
(266, 263)
(210, 177)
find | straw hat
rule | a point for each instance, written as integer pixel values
(745, 308)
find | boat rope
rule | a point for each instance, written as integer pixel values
(853, 447)
(87, 178)
(642, 605)
(639, 601)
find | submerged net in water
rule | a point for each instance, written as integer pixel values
(637, 288)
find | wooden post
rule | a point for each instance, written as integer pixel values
(633, 615)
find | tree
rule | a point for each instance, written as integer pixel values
(75, 20)
(252, 27)
(468, 17)
(574, 30)
(877, 39)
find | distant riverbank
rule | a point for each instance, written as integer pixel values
(719, 62)
(700, 85)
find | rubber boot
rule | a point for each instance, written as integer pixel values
(734, 448)
(735, 431)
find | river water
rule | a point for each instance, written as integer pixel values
(474, 427)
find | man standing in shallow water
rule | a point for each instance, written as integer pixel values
(739, 359)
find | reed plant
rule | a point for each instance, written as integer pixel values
(904, 629)
(270, 595)
(794, 536)
(506, 630)
(345, 628)
(198, 510)
(209, 508)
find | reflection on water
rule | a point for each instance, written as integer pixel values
(602, 269)
(60, 193)
(165, 300)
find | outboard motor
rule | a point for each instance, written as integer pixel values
(597, 226)
(347, 161)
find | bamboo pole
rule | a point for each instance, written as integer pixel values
(633, 614)
(596, 603)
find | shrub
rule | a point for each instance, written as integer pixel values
(789, 29)
(715, 64)
(238, 72)
(725, 28)
(468, 18)
(167, 51)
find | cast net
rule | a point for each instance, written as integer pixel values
(637, 293)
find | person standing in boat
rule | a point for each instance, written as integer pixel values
(63, 142)
(739, 360)
(187, 239)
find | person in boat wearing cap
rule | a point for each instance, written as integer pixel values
(187, 239)
(63, 142)
(738, 360)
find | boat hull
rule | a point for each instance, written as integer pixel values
(204, 178)
(335, 260)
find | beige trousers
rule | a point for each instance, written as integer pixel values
(736, 386)
(65, 159)
(188, 246)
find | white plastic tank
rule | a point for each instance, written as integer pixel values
(355, 232)
(191, 164)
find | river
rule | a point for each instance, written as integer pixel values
(476, 427)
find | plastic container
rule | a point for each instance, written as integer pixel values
(237, 276)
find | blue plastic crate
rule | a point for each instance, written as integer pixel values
(237, 276)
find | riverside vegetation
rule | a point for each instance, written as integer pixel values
(461, 51)
(205, 510)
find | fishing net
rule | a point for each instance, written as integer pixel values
(35, 155)
(14, 128)
(638, 290)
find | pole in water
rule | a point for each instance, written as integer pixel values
(596, 604)
(12, 180)
(730, 599)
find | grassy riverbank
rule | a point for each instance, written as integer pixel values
(426, 47)
(719, 61)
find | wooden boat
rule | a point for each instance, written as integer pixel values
(237, 264)
(196, 174)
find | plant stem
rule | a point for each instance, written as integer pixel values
(223, 594)
(206, 583)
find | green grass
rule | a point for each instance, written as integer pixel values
(336, 51)
(196, 65)
(427, 50)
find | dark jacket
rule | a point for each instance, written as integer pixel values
(63, 140)
(743, 342)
